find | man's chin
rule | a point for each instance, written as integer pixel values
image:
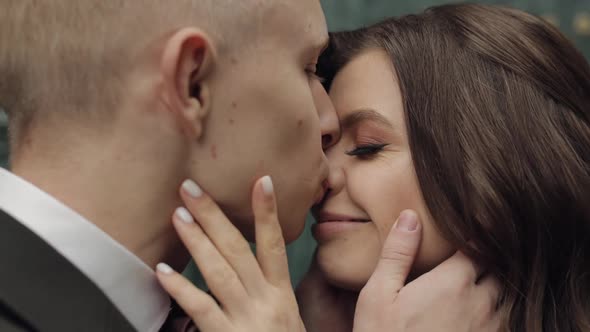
(292, 226)
(244, 223)
(291, 237)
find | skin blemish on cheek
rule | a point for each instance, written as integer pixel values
(234, 60)
(28, 142)
(214, 152)
(299, 123)
(234, 105)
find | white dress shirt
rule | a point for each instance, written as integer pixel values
(126, 280)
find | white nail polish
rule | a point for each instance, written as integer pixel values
(267, 185)
(184, 215)
(192, 188)
(164, 268)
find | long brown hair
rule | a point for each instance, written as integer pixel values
(497, 112)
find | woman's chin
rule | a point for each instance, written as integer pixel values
(346, 283)
(342, 271)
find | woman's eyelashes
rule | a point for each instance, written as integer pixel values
(366, 150)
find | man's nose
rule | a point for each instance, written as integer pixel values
(337, 162)
(329, 124)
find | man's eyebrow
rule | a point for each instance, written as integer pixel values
(356, 117)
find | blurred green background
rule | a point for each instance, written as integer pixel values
(571, 16)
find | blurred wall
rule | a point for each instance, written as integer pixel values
(571, 16)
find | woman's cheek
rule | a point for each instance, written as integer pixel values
(434, 249)
(384, 190)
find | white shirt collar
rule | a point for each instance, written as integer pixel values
(126, 280)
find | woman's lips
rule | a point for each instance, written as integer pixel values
(330, 225)
(334, 217)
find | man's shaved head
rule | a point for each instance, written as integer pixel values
(108, 99)
(76, 55)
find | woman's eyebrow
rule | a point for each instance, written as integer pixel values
(354, 118)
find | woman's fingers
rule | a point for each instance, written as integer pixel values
(203, 309)
(398, 253)
(223, 234)
(270, 244)
(377, 303)
(252, 293)
(221, 278)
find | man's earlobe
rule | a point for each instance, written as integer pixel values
(194, 115)
(200, 92)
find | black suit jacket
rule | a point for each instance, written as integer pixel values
(40, 290)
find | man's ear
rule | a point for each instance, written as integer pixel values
(187, 60)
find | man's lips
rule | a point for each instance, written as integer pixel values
(321, 193)
(319, 197)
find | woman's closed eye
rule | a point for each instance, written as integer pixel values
(366, 150)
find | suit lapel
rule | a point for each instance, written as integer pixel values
(46, 290)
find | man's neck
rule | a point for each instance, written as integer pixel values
(130, 200)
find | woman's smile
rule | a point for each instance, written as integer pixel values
(331, 225)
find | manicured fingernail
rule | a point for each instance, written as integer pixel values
(267, 186)
(408, 221)
(164, 268)
(191, 188)
(185, 216)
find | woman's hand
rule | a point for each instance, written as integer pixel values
(447, 299)
(255, 293)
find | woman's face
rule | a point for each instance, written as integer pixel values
(372, 177)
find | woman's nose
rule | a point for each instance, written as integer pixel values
(336, 178)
